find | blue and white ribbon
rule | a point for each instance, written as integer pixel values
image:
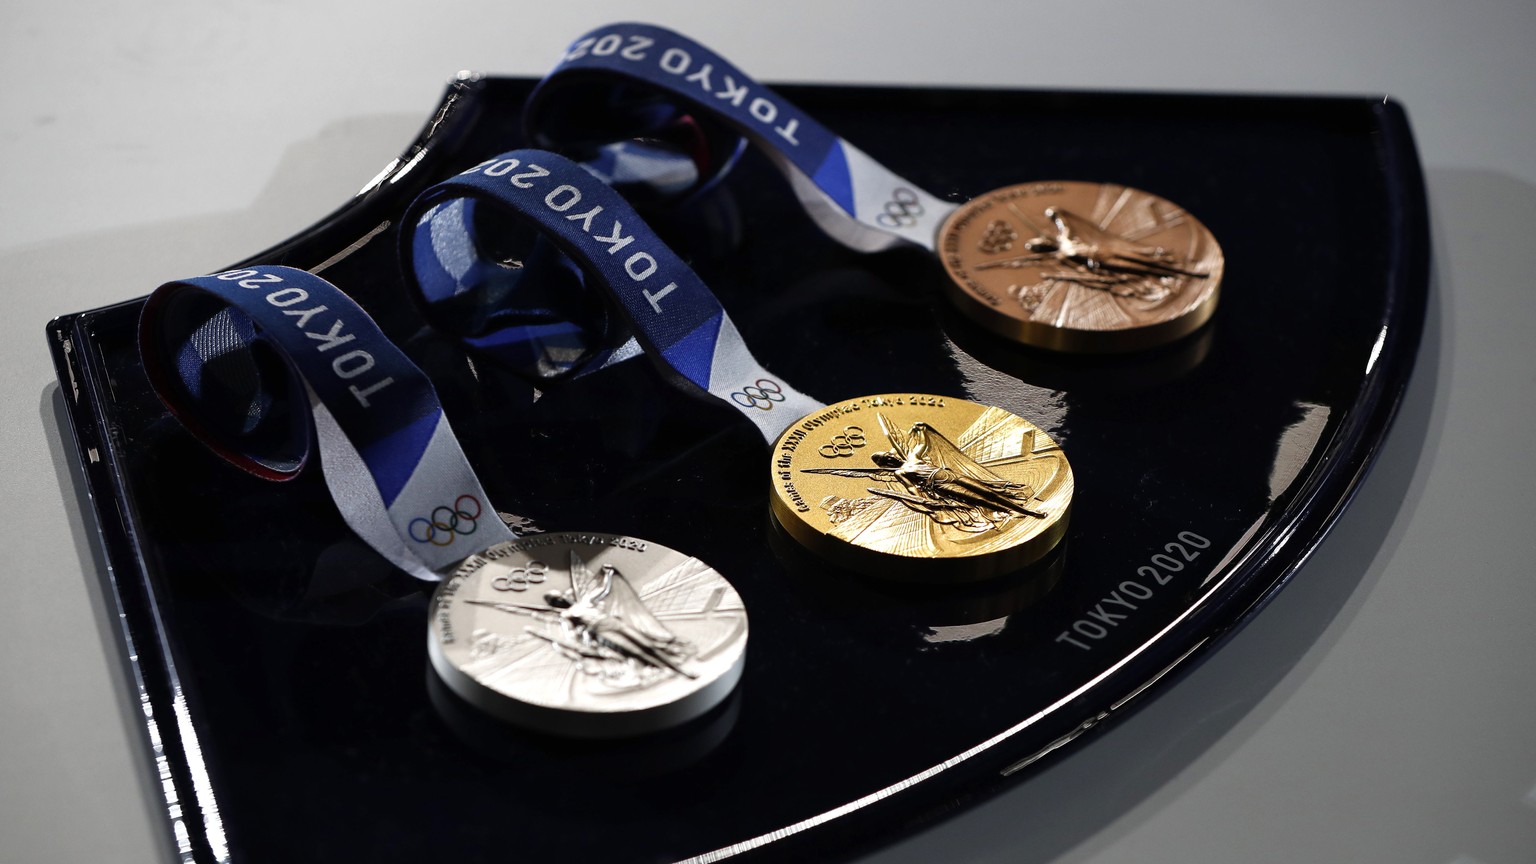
(677, 320)
(239, 356)
(853, 198)
(528, 312)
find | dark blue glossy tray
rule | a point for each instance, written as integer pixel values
(281, 662)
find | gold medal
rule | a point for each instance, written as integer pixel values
(1081, 267)
(922, 488)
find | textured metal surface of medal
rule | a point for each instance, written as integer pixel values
(1082, 267)
(588, 635)
(921, 488)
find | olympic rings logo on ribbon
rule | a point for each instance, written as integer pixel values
(902, 210)
(447, 522)
(761, 395)
(520, 577)
(843, 444)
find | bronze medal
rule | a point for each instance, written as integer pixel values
(1081, 267)
(921, 488)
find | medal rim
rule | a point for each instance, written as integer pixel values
(1076, 340)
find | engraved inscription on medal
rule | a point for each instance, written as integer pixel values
(518, 578)
(844, 444)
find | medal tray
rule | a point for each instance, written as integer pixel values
(282, 663)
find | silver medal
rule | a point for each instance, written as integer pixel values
(588, 635)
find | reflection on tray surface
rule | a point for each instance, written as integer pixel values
(300, 652)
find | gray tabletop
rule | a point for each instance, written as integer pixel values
(1383, 709)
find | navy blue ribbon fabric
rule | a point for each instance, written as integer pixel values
(264, 362)
(592, 92)
(676, 318)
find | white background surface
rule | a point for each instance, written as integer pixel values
(1382, 710)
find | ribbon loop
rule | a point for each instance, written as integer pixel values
(518, 300)
(675, 317)
(853, 198)
(237, 357)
